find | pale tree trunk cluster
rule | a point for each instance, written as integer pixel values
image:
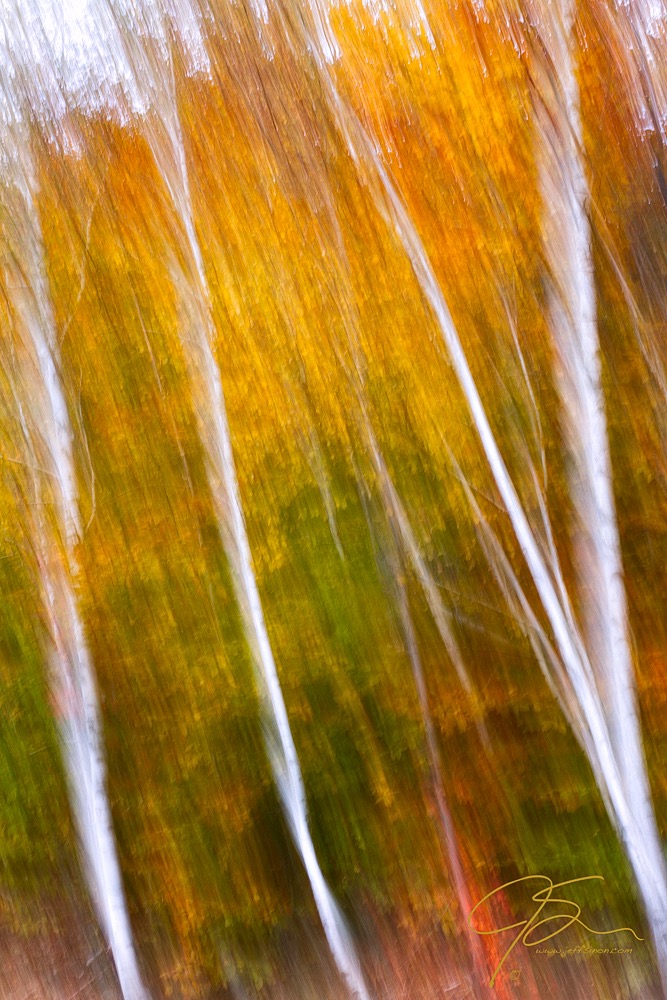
(593, 673)
(586, 653)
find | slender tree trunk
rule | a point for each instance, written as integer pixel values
(49, 439)
(198, 339)
(573, 321)
(628, 809)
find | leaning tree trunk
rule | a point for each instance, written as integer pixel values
(598, 732)
(163, 131)
(48, 440)
(599, 567)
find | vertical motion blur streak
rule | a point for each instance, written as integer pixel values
(48, 437)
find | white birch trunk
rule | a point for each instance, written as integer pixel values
(637, 830)
(49, 437)
(198, 338)
(198, 344)
(573, 321)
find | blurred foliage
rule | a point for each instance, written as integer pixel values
(315, 305)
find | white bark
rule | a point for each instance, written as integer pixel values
(198, 338)
(48, 435)
(211, 416)
(573, 321)
(636, 829)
